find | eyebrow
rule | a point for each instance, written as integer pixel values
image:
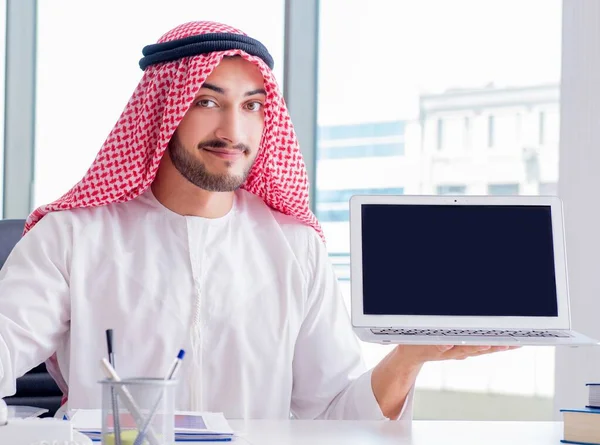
(220, 90)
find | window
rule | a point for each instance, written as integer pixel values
(326, 196)
(551, 127)
(465, 82)
(467, 132)
(361, 131)
(490, 127)
(362, 151)
(2, 82)
(451, 189)
(505, 128)
(503, 189)
(334, 205)
(548, 189)
(82, 92)
(452, 133)
(542, 129)
(379, 139)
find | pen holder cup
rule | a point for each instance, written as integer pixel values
(146, 412)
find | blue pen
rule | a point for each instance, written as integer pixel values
(170, 376)
(175, 366)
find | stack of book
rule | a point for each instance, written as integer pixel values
(582, 426)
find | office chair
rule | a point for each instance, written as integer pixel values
(37, 387)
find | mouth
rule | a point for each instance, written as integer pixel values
(224, 153)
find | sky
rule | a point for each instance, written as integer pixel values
(377, 56)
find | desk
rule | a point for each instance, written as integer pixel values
(334, 432)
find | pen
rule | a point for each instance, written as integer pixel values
(109, 347)
(170, 376)
(127, 399)
(175, 366)
(113, 396)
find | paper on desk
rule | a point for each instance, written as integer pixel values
(188, 425)
(24, 412)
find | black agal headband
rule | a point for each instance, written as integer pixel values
(202, 44)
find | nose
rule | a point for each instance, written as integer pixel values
(230, 127)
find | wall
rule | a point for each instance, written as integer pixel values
(579, 187)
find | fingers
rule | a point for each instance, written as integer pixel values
(425, 353)
(489, 351)
(463, 352)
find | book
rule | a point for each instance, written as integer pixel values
(189, 426)
(581, 426)
(593, 395)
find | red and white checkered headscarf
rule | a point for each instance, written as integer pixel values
(128, 161)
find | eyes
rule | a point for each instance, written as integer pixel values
(254, 105)
(206, 103)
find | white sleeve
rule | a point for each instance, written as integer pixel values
(34, 299)
(330, 379)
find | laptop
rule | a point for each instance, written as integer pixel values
(460, 270)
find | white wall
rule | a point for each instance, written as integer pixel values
(579, 186)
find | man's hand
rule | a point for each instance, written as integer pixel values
(393, 377)
(419, 354)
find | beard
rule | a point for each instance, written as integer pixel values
(195, 171)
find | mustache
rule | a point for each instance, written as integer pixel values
(216, 143)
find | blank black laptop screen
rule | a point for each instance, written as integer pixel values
(458, 260)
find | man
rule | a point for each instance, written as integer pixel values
(192, 230)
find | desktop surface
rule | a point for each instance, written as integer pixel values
(420, 432)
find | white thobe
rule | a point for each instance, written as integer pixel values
(251, 297)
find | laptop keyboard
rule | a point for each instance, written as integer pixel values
(472, 332)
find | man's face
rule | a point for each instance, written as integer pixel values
(217, 141)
